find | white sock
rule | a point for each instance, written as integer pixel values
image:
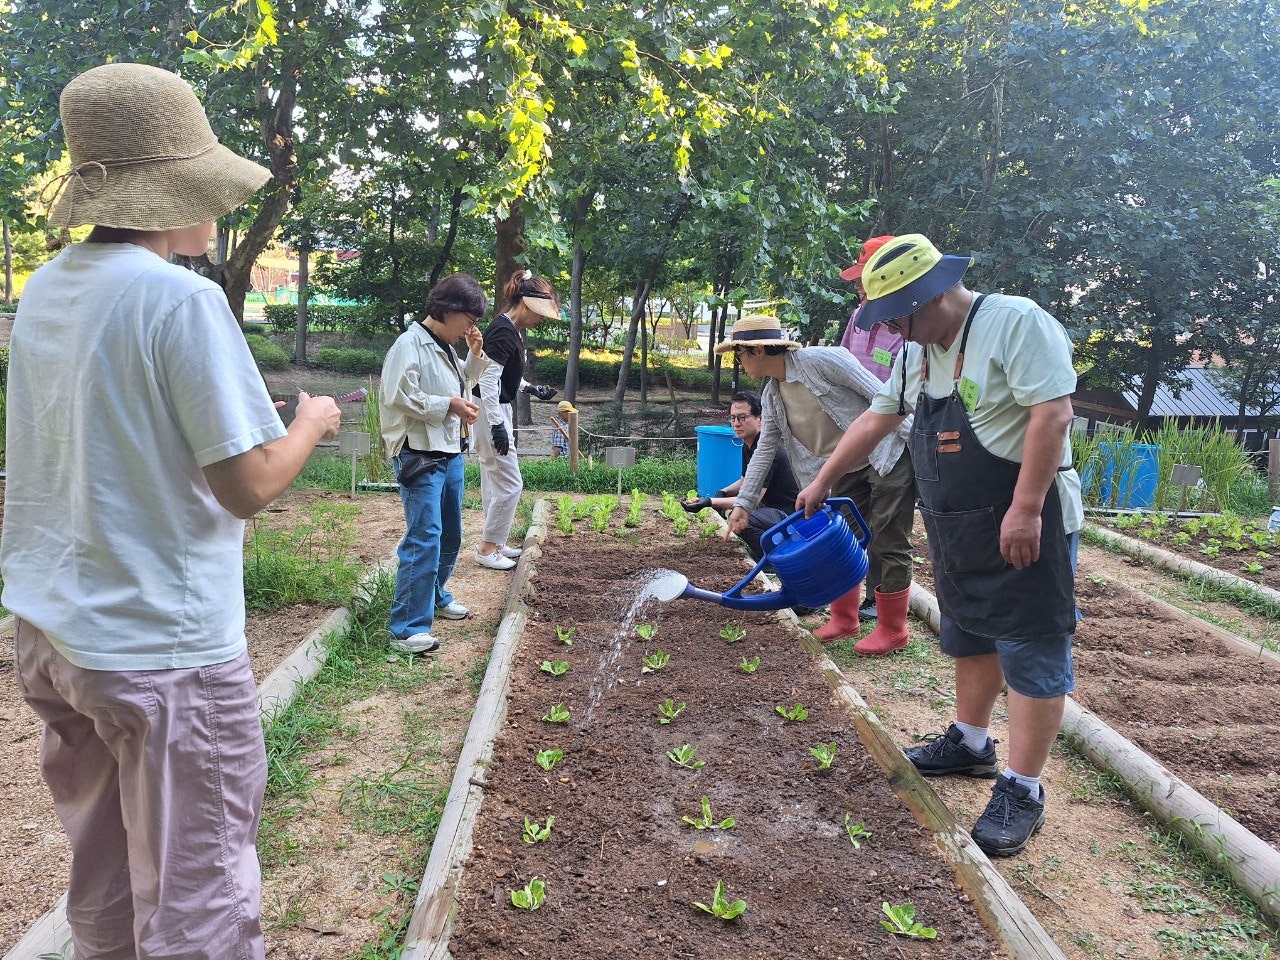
(1031, 783)
(975, 738)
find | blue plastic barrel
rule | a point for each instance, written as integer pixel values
(1130, 472)
(719, 458)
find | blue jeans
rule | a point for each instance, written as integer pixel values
(429, 550)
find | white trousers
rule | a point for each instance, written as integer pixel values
(500, 481)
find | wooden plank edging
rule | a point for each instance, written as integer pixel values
(431, 923)
(1251, 863)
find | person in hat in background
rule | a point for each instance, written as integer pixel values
(140, 436)
(530, 299)
(810, 395)
(990, 387)
(892, 506)
(779, 491)
(426, 415)
(560, 429)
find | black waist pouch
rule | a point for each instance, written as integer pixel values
(413, 464)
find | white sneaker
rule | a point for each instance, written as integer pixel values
(511, 553)
(418, 643)
(494, 561)
(453, 611)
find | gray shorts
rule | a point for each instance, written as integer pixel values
(1040, 667)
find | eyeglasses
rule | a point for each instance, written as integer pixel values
(749, 351)
(740, 417)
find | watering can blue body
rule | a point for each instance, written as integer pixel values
(816, 560)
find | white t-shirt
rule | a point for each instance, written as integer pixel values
(127, 375)
(1017, 356)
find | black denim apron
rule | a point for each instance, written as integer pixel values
(965, 491)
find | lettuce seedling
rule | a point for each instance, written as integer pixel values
(796, 714)
(557, 714)
(535, 832)
(824, 753)
(646, 631)
(708, 822)
(549, 758)
(721, 907)
(530, 897)
(750, 666)
(555, 668)
(655, 661)
(902, 922)
(733, 632)
(669, 710)
(565, 634)
(684, 757)
(857, 832)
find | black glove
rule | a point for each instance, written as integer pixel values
(501, 442)
(696, 504)
(541, 392)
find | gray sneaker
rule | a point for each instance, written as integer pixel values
(453, 611)
(943, 754)
(418, 643)
(1012, 817)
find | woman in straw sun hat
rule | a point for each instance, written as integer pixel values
(140, 436)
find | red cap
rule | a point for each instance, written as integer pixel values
(868, 248)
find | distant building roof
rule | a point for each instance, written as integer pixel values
(1200, 398)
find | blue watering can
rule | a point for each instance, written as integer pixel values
(816, 561)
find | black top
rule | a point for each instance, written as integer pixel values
(780, 487)
(505, 347)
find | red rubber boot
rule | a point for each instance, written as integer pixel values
(890, 633)
(844, 618)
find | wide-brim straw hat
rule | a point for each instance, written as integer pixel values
(143, 156)
(756, 330)
(904, 275)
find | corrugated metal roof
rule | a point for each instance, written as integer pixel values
(1200, 398)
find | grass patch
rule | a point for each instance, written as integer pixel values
(310, 562)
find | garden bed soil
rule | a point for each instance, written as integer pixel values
(622, 870)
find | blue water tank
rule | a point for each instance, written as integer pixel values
(1130, 472)
(719, 458)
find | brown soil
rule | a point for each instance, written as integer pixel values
(621, 868)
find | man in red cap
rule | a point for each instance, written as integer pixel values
(888, 501)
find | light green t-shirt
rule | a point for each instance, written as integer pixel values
(1017, 356)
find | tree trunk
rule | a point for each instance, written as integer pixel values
(304, 294)
(644, 358)
(8, 263)
(629, 348)
(573, 361)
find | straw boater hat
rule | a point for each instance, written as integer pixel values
(868, 248)
(756, 330)
(143, 156)
(904, 275)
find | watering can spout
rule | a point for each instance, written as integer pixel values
(676, 586)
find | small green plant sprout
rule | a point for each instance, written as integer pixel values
(857, 832)
(733, 632)
(655, 661)
(646, 631)
(824, 753)
(535, 832)
(557, 714)
(707, 821)
(555, 667)
(564, 515)
(902, 922)
(796, 714)
(530, 897)
(633, 510)
(565, 634)
(547, 759)
(720, 905)
(685, 757)
(668, 710)
(750, 666)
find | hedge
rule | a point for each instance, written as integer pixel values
(267, 354)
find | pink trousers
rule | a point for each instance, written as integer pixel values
(158, 778)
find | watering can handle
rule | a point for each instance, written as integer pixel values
(833, 502)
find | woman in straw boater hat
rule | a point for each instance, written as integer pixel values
(810, 395)
(530, 299)
(989, 379)
(140, 435)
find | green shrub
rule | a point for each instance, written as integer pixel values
(649, 475)
(267, 354)
(346, 360)
(354, 318)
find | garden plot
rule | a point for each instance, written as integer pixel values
(661, 757)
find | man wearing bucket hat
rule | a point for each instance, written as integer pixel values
(810, 395)
(892, 509)
(140, 436)
(560, 431)
(990, 388)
